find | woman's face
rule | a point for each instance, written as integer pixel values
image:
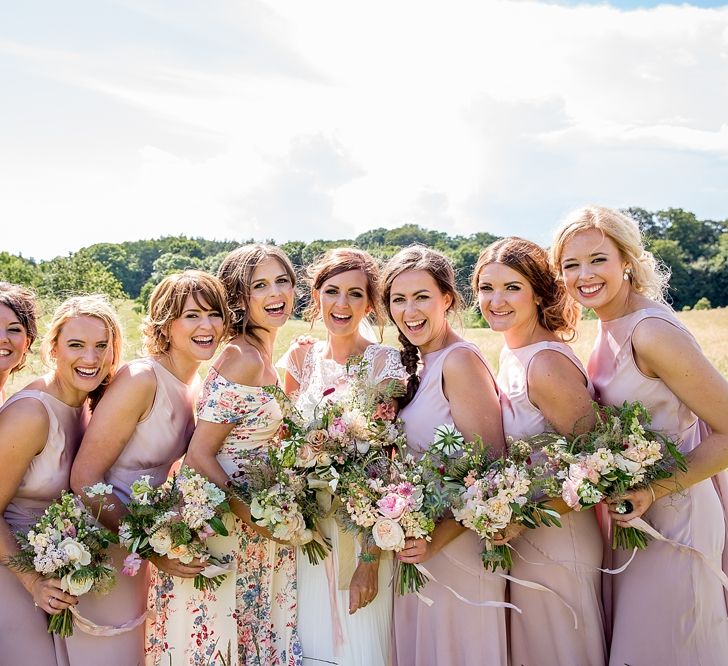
(14, 340)
(343, 302)
(418, 307)
(506, 298)
(271, 294)
(83, 353)
(197, 331)
(593, 269)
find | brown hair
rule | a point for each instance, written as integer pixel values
(557, 311)
(341, 260)
(168, 300)
(23, 304)
(95, 305)
(646, 274)
(418, 258)
(236, 273)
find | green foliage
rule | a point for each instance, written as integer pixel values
(77, 274)
(702, 304)
(19, 270)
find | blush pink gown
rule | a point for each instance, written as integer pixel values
(565, 560)
(667, 606)
(449, 631)
(24, 637)
(156, 443)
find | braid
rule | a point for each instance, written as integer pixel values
(410, 356)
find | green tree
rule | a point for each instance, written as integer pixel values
(77, 274)
(19, 270)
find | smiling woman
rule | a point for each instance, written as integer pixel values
(18, 329)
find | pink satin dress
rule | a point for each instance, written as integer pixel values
(157, 442)
(450, 631)
(24, 637)
(668, 608)
(565, 560)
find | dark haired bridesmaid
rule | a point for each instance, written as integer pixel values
(18, 329)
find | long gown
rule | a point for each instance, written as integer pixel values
(450, 631)
(252, 615)
(668, 608)
(157, 442)
(565, 560)
(323, 598)
(24, 637)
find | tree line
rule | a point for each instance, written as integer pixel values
(696, 252)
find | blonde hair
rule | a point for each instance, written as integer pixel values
(167, 304)
(95, 305)
(647, 275)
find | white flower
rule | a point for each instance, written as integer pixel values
(77, 586)
(75, 552)
(99, 488)
(388, 535)
(161, 541)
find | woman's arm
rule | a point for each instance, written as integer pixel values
(23, 434)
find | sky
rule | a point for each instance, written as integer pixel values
(297, 120)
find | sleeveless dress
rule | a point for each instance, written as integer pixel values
(156, 443)
(565, 560)
(24, 637)
(449, 631)
(323, 597)
(252, 615)
(668, 608)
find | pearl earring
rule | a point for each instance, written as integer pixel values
(627, 273)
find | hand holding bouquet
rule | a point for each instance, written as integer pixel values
(67, 543)
(619, 454)
(486, 493)
(174, 520)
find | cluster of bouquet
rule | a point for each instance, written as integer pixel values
(68, 543)
(387, 501)
(174, 520)
(619, 454)
(487, 493)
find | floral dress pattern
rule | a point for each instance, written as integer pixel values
(251, 617)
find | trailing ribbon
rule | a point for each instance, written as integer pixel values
(480, 604)
(541, 588)
(337, 631)
(94, 629)
(591, 567)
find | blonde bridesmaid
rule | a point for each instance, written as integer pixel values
(18, 330)
(520, 297)
(454, 385)
(40, 430)
(141, 427)
(668, 607)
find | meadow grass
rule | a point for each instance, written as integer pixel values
(708, 326)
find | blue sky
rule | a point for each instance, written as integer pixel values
(301, 120)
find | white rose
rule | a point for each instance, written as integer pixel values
(74, 552)
(301, 538)
(388, 535)
(161, 541)
(76, 587)
(181, 553)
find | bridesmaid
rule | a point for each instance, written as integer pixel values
(344, 605)
(141, 426)
(252, 615)
(455, 386)
(40, 429)
(668, 606)
(18, 330)
(520, 297)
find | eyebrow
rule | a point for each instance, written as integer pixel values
(593, 254)
(420, 291)
(484, 282)
(83, 342)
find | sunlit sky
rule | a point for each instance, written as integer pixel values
(303, 119)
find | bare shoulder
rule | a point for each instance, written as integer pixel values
(655, 339)
(25, 421)
(241, 363)
(140, 376)
(549, 365)
(462, 366)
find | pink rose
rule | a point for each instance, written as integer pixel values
(131, 565)
(392, 506)
(205, 532)
(569, 494)
(385, 411)
(317, 438)
(388, 535)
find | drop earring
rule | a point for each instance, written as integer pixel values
(627, 273)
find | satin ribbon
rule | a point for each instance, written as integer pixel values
(542, 588)
(94, 629)
(457, 595)
(589, 567)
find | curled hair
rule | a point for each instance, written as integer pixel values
(22, 302)
(647, 275)
(557, 311)
(418, 258)
(341, 260)
(167, 303)
(95, 305)
(236, 274)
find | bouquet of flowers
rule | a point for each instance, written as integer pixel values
(387, 501)
(486, 493)
(174, 520)
(68, 543)
(619, 454)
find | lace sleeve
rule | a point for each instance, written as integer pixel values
(384, 363)
(292, 361)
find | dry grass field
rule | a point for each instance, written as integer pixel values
(710, 327)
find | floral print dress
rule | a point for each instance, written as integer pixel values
(251, 617)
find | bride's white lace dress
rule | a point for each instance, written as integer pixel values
(323, 596)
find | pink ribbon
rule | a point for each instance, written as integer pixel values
(542, 588)
(94, 629)
(338, 632)
(584, 565)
